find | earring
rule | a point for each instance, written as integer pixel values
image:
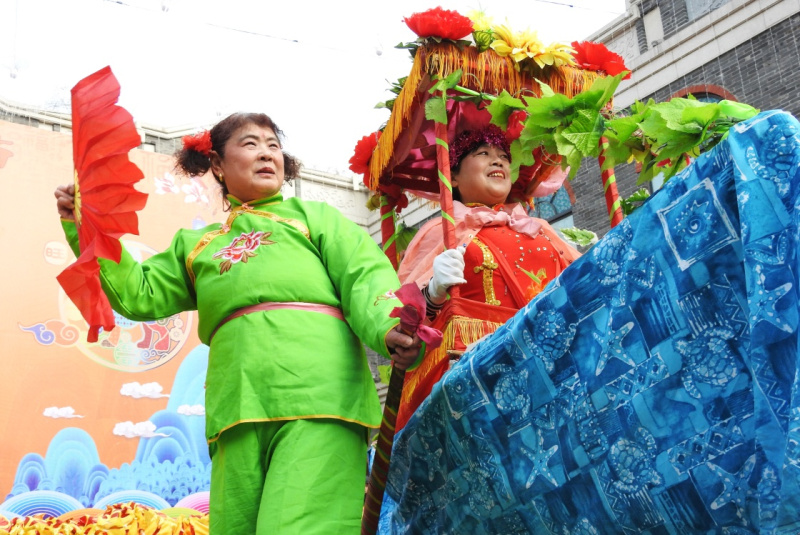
(221, 178)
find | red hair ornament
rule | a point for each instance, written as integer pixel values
(200, 142)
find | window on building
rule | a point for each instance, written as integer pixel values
(707, 97)
(697, 8)
(554, 208)
(653, 27)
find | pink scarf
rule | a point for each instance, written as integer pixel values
(474, 218)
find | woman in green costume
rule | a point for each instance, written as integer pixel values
(286, 291)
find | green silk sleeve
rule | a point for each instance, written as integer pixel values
(156, 288)
(362, 276)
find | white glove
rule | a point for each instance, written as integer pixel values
(448, 269)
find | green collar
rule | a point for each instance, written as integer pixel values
(275, 199)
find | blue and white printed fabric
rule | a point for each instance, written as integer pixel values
(652, 388)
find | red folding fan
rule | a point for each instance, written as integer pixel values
(105, 199)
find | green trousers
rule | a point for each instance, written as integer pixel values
(290, 477)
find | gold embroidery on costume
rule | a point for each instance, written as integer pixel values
(467, 330)
(385, 297)
(237, 211)
(203, 243)
(244, 209)
(488, 266)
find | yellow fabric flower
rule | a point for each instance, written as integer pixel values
(481, 29)
(504, 42)
(556, 54)
(481, 22)
(519, 46)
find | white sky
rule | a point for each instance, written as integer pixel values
(317, 67)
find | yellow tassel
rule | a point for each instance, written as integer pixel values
(401, 111)
(467, 330)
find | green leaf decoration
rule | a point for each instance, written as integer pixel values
(623, 127)
(550, 111)
(503, 106)
(616, 152)
(640, 108)
(570, 154)
(436, 110)
(547, 91)
(585, 131)
(661, 137)
(521, 154)
(534, 135)
(634, 201)
(737, 110)
(608, 84)
(444, 84)
(649, 169)
(403, 235)
(589, 99)
(672, 113)
(578, 236)
(702, 115)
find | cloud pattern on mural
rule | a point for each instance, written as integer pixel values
(147, 390)
(61, 412)
(172, 465)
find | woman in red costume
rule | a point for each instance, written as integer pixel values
(504, 259)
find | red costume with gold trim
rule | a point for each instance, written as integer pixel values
(502, 244)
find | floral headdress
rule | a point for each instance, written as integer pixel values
(469, 140)
(200, 142)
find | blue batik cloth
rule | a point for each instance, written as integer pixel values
(652, 388)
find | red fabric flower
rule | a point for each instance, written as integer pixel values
(359, 162)
(516, 122)
(412, 313)
(395, 195)
(201, 142)
(596, 57)
(438, 22)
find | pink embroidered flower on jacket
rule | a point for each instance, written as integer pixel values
(241, 249)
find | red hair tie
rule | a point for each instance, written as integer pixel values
(201, 142)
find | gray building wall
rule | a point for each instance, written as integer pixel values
(748, 50)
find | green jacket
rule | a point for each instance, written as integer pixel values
(279, 364)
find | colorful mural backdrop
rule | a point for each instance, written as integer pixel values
(88, 425)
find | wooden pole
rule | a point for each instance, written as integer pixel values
(383, 449)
